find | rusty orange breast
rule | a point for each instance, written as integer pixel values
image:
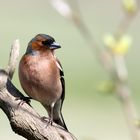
(39, 77)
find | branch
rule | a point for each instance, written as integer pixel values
(113, 64)
(122, 89)
(13, 58)
(119, 70)
(124, 94)
(23, 119)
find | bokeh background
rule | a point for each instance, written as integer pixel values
(89, 114)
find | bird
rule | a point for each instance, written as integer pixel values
(42, 78)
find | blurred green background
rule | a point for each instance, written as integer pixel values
(89, 115)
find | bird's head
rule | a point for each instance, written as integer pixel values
(42, 42)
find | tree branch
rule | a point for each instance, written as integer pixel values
(13, 58)
(112, 63)
(23, 119)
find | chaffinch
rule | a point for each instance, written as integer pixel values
(41, 76)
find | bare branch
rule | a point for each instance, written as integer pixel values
(117, 71)
(13, 58)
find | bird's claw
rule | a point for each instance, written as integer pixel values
(49, 120)
(24, 100)
(44, 119)
(27, 99)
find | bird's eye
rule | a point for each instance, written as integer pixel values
(47, 42)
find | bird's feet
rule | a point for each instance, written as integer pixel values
(49, 120)
(24, 100)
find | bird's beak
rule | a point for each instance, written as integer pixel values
(54, 45)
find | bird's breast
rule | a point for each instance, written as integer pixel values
(40, 79)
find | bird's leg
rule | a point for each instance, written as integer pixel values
(51, 114)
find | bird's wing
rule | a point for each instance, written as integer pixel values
(61, 79)
(58, 106)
